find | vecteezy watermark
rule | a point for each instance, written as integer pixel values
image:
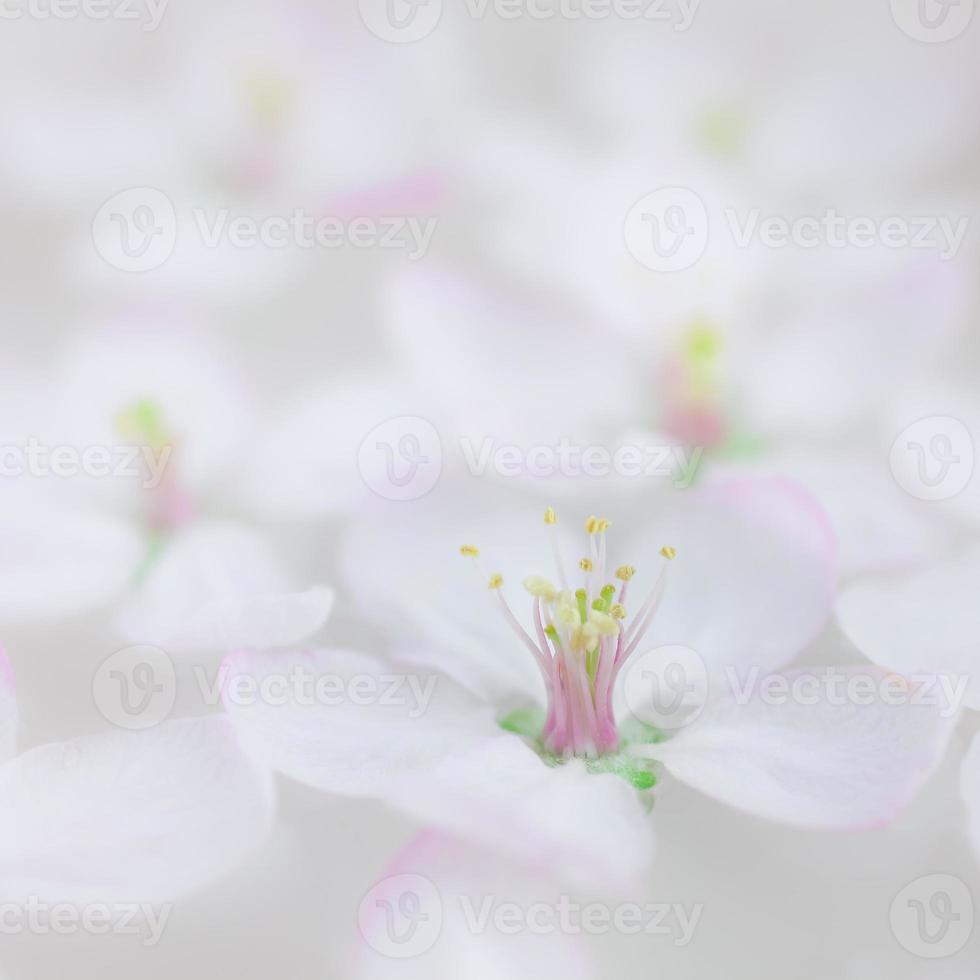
(509, 461)
(405, 21)
(401, 459)
(837, 687)
(933, 458)
(147, 12)
(932, 917)
(402, 917)
(667, 687)
(37, 459)
(138, 229)
(136, 687)
(668, 230)
(41, 918)
(933, 21)
(304, 688)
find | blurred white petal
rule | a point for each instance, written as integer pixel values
(216, 588)
(124, 815)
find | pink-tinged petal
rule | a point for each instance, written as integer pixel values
(876, 524)
(217, 588)
(591, 829)
(8, 709)
(754, 578)
(921, 622)
(970, 791)
(345, 722)
(821, 760)
(457, 885)
(147, 815)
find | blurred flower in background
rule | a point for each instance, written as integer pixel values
(300, 298)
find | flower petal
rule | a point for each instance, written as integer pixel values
(837, 764)
(457, 886)
(8, 709)
(130, 814)
(345, 722)
(217, 588)
(753, 581)
(970, 791)
(921, 622)
(591, 829)
(57, 561)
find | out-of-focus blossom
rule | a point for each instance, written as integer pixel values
(457, 879)
(124, 815)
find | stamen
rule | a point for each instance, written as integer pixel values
(469, 551)
(496, 581)
(551, 519)
(585, 564)
(669, 553)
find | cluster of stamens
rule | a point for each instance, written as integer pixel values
(581, 640)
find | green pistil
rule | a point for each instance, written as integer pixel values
(582, 599)
(143, 421)
(528, 723)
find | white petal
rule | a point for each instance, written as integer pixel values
(587, 828)
(921, 622)
(403, 562)
(970, 791)
(345, 722)
(57, 561)
(305, 464)
(146, 815)
(826, 765)
(8, 709)
(753, 581)
(452, 881)
(219, 587)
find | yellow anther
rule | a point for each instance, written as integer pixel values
(592, 525)
(469, 551)
(618, 611)
(625, 572)
(669, 553)
(585, 564)
(602, 623)
(550, 517)
(540, 587)
(604, 525)
(496, 581)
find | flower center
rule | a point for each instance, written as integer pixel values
(169, 503)
(581, 640)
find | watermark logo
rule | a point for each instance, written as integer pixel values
(401, 21)
(37, 459)
(666, 688)
(933, 21)
(932, 917)
(41, 918)
(148, 12)
(567, 459)
(667, 230)
(136, 229)
(136, 687)
(401, 459)
(933, 458)
(401, 916)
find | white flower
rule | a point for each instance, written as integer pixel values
(752, 584)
